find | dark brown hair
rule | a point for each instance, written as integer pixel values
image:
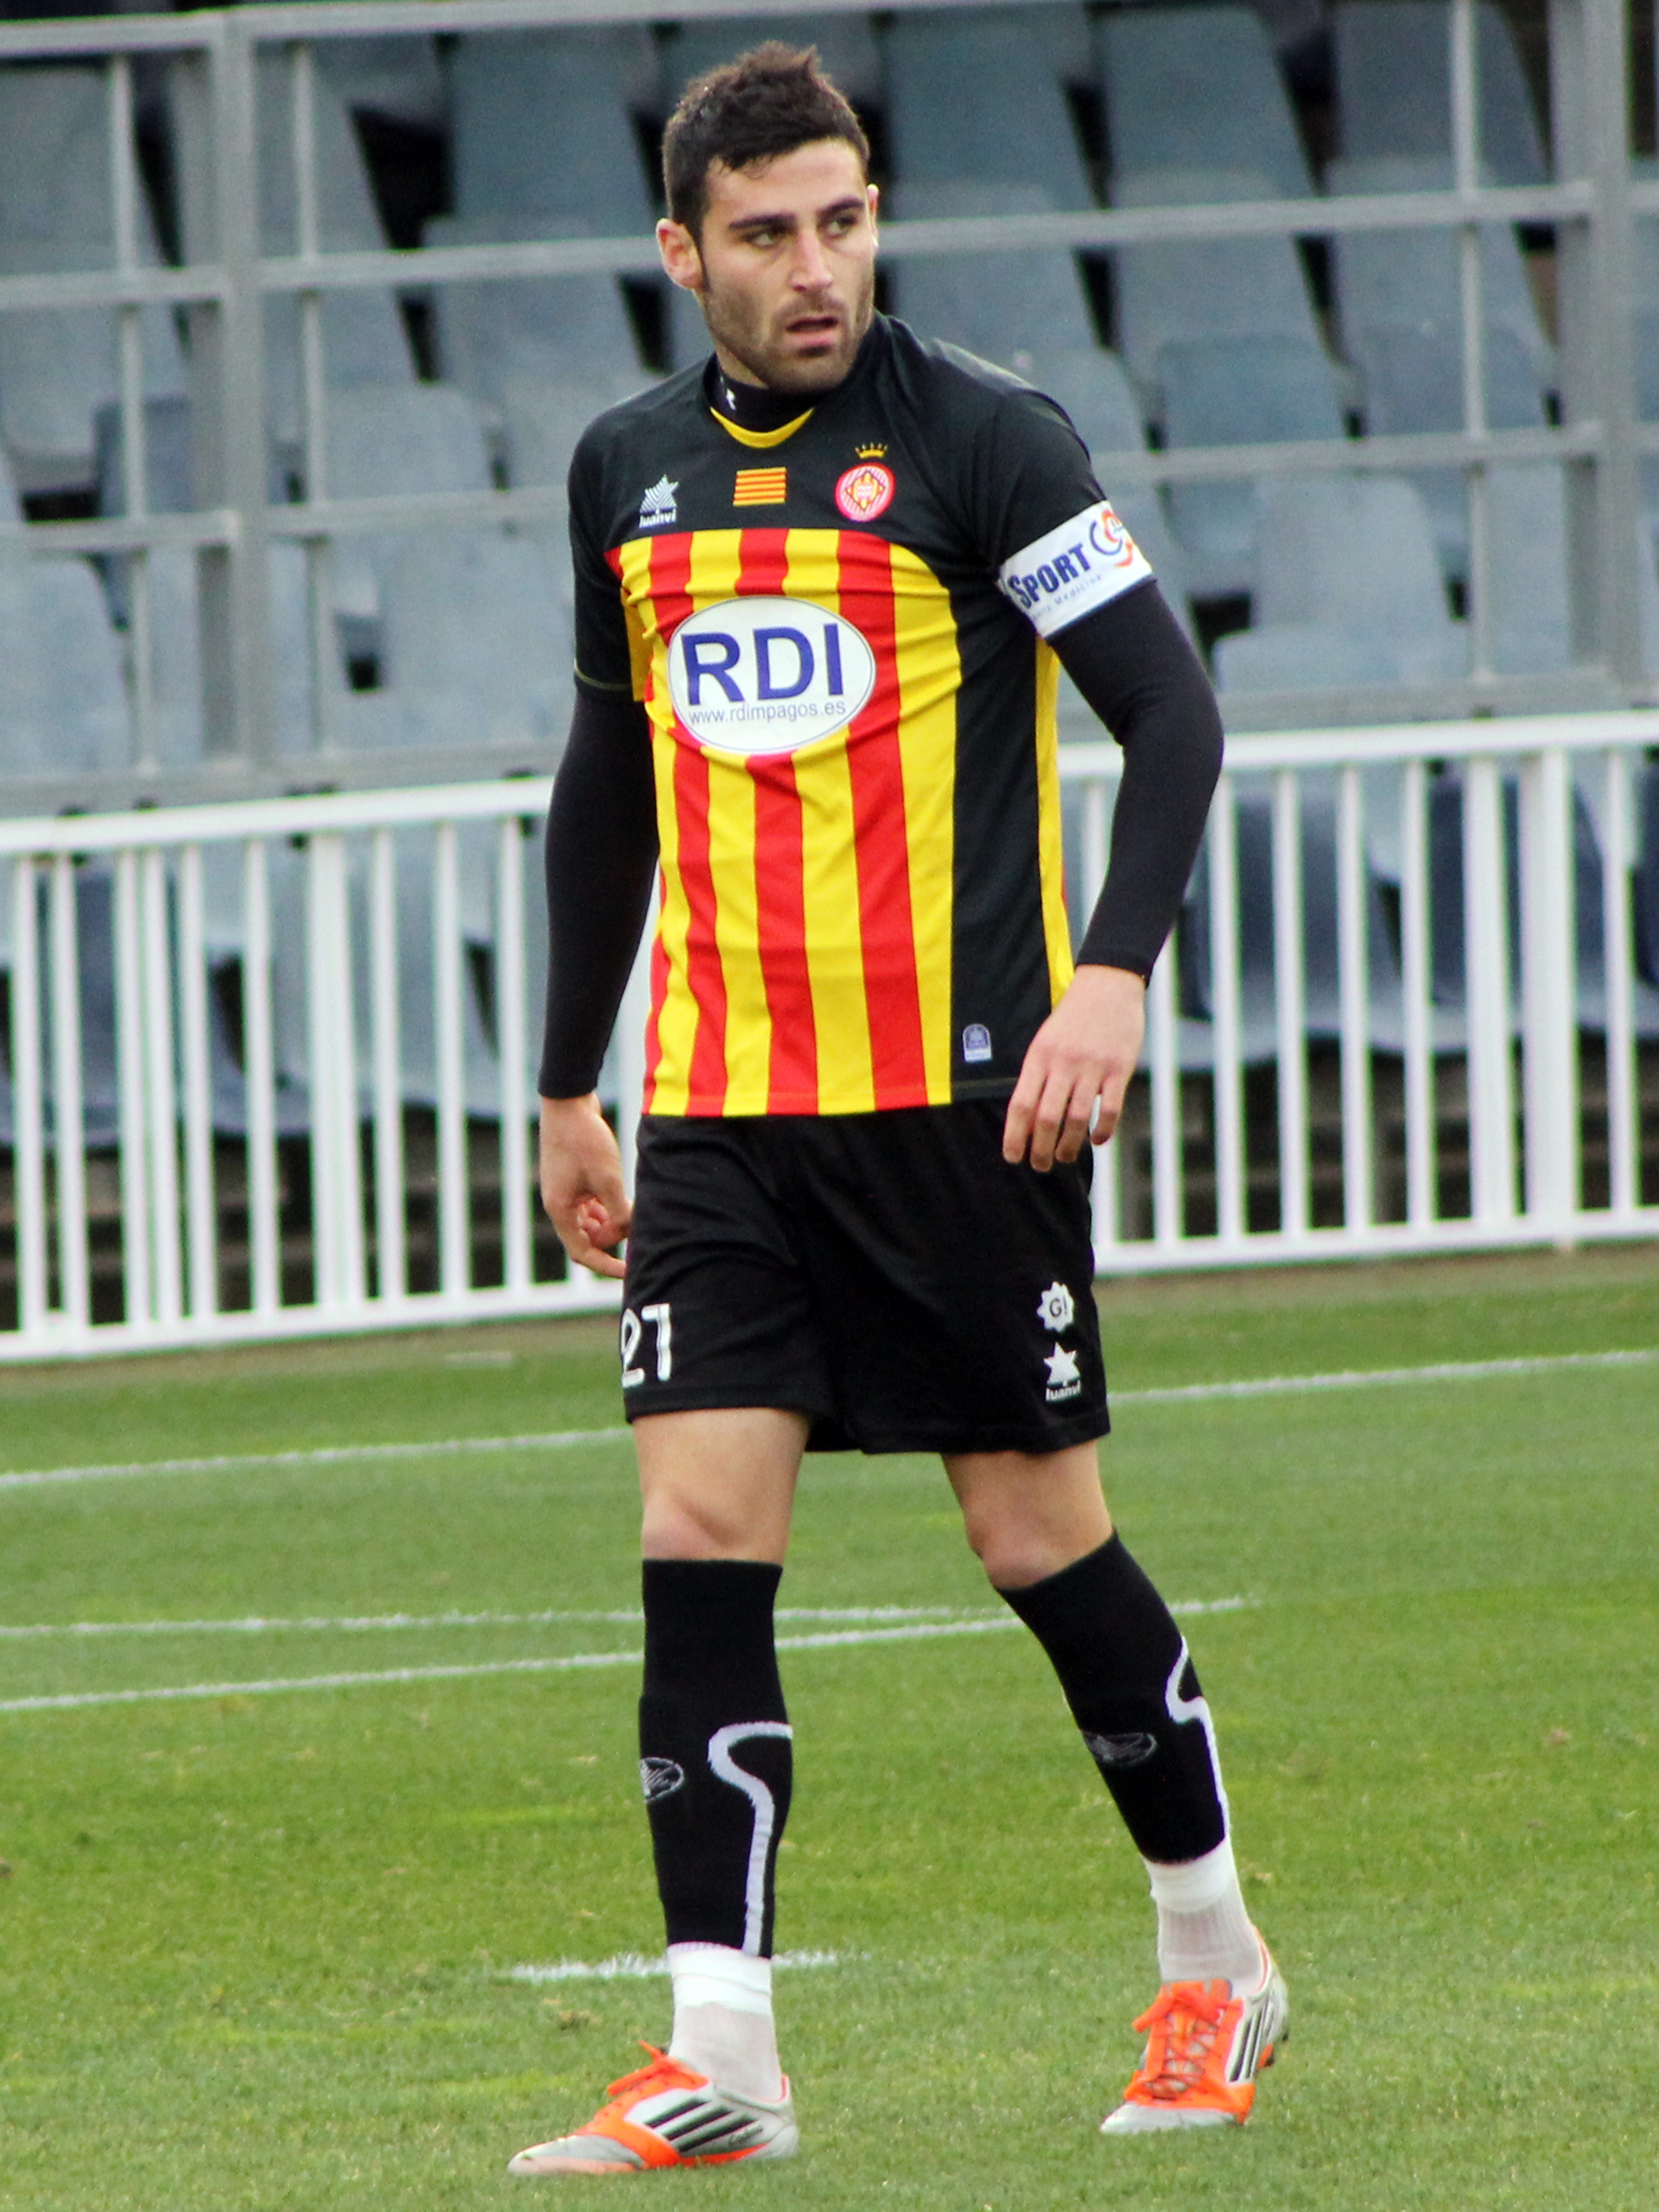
(767, 102)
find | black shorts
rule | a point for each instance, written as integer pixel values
(888, 1275)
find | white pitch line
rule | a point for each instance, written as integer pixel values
(268, 1624)
(319, 1456)
(568, 1663)
(1360, 1378)
(1268, 1386)
(635, 1966)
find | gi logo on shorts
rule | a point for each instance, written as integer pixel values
(757, 676)
(1056, 1308)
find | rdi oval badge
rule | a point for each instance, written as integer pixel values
(768, 676)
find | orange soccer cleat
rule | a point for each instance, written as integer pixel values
(666, 2114)
(1205, 2047)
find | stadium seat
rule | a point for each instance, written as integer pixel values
(1346, 589)
(399, 78)
(1413, 382)
(551, 327)
(542, 128)
(57, 366)
(364, 342)
(846, 44)
(62, 701)
(972, 97)
(1232, 390)
(999, 305)
(1198, 88)
(1393, 87)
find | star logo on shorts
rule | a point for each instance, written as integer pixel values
(1064, 1380)
(1056, 1308)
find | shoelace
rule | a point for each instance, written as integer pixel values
(663, 2073)
(1182, 2023)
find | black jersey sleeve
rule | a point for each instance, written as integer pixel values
(1043, 524)
(604, 662)
(1132, 664)
(600, 854)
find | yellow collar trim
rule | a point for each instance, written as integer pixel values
(761, 437)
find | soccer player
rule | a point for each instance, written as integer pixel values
(824, 588)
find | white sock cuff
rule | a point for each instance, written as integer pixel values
(1194, 1883)
(710, 1973)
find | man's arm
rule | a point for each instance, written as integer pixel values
(601, 852)
(1133, 666)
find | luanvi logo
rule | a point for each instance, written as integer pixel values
(660, 1778)
(659, 505)
(1134, 1749)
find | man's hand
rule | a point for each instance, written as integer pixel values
(1086, 1050)
(582, 1182)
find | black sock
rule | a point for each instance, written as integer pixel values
(715, 1754)
(1133, 1692)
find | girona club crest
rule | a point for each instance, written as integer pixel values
(867, 490)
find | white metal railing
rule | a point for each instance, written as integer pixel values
(1381, 970)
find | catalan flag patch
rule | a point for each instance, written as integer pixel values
(761, 488)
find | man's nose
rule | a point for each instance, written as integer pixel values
(811, 272)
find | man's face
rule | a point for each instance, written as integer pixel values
(787, 268)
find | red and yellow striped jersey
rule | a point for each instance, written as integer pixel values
(852, 708)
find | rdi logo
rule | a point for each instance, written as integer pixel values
(768, 676)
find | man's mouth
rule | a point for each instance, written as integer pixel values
(825, 324)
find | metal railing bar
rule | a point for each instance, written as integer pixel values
(138, 1304)
(1485, 930)
(512, 1053)
(161, 1111)
(1415, 966)
(1549, 989)
(391, 1258)
(120, 533)
(1624, 1176)
(29, 1097)
(1289, 1001)
(68, 1119)
(97, 35)
(1227, 1026)
(260, 1080)
(154, 286)
(1353, 974)
(201, 1212)
(454, 1244)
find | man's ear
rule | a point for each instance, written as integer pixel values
(874, 193)
(680, 256)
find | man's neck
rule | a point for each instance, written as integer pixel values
(760, 406)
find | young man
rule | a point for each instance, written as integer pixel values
(824, 584)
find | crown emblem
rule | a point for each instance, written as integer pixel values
(871, 453)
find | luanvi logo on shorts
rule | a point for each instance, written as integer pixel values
(1132, 1750)
(757, 676)
(660, 1778)
(1064, 1380)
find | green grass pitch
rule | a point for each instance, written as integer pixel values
(255, 1949)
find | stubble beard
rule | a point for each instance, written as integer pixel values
(737, 330)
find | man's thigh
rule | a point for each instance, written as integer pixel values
(719, 1484)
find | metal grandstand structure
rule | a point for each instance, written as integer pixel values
(1598, 192)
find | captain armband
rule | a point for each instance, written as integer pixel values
(1069, 572)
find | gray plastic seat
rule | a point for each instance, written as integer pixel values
(364, 341)
(399, 78)
(1394, 86)
(1235, 287)
(846, 44)
(1231, 391)
(542, 128)
(64, 706)
(1413, 381)
(973, 97)
(1197, 89)
(551, 326)
(1530, 600)
(1347, 589)
(59, 365)
(999, 305)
